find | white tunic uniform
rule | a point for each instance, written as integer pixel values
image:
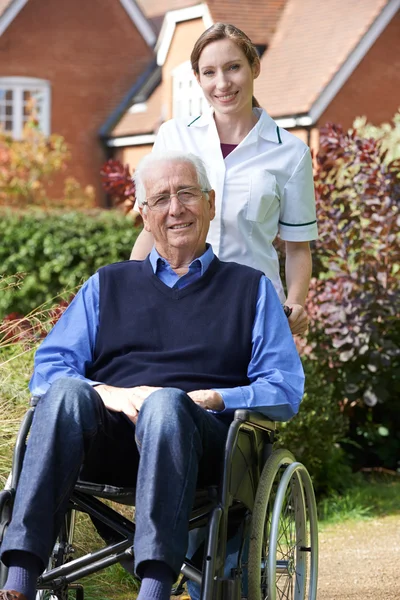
(263, 188)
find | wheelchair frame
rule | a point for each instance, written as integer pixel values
(253, 474)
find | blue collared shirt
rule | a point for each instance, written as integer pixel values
(275, 372)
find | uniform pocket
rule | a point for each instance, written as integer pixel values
(262, 195)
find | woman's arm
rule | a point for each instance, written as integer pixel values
(143, 246)
(298, 274)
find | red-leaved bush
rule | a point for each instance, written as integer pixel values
(354, 303)
(29, 330)
(116, 179)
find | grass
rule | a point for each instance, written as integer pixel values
(369, 497)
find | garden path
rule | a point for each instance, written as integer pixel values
(359, 560)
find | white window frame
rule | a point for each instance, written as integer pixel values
(187, 96)
(19, 85)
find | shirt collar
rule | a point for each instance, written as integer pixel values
(265, 126)
(203, 261)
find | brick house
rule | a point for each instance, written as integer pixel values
(320, 61)
(107, 73)
(78, 60)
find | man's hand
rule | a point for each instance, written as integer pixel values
(126, 400)
(298, 320)
(207, 399)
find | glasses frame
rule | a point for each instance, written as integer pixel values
(192, 187)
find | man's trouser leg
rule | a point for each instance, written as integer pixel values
(179, 443)
(70, 421)
(181, 447)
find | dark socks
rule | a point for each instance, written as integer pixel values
(24, 569)
(157, 581)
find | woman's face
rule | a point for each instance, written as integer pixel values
(226, 77)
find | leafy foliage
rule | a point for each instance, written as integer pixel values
(27, 167)
(355, 302)
(116, 179)
(55, 252)
(314, 435)
(387, 133)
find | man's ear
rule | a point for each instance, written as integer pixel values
(143, 214)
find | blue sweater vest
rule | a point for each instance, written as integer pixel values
(199, 337)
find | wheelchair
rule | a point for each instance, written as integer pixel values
(264, 492)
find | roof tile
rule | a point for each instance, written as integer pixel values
(312, 42)
(257, 18)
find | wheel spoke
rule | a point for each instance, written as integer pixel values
(284, 520)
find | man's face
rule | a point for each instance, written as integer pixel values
(177, 227)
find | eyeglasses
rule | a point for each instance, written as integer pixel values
(187, 197)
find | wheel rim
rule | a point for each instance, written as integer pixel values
(286, 539)
(283, 558)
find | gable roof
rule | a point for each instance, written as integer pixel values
(9, 9)
(155, 10)
(258, 18)
(3, 5)
(316, 48)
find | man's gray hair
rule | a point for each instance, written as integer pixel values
(150, 161)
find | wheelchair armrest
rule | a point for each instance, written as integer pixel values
(34, 400)
(254, 418)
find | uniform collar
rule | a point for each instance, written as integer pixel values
(265, 126)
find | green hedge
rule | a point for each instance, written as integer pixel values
(56, 252)
(315, 434)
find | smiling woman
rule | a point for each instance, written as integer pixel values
(261, 174)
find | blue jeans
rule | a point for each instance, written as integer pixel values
(175, 447)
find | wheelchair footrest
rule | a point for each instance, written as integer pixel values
(179, 589)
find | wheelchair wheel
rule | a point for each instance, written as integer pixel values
(6, 505)
(283, 553)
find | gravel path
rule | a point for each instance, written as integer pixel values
(360, 560)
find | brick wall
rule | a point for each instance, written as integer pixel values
(92, 53)
(373, 89)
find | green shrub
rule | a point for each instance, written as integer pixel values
(315, 433)
(57, 251)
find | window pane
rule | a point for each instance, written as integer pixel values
(6, 109)
(22, 102)
(5, 95)
(33, 103)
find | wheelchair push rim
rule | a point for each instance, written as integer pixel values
(283, 556)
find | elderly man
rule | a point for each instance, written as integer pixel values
(140, 377)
